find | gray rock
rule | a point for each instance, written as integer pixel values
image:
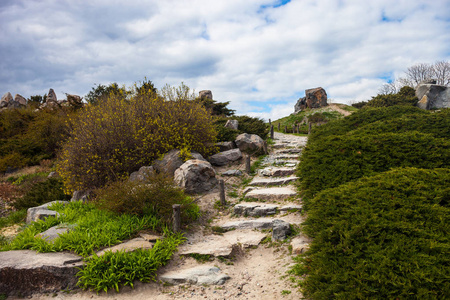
(225, 146)
(280, 230)
(232, 124)
(51, 96)
(41, 212)
(20, 100)
(432, 96)
(276, 193)
(226, 157)
(75, 100)
(53, 233)
(129, 246)
(205, 94)
(291, 207)
(314, 98)
(250, 143)
(6, 100)
(143, 174)
(25, 272)
(276, 172)
(196, 176)
(255, 209)
(261, 223)
(53, 174)
(172, 161)
(233, 173)
(80, 196)
(201, 275)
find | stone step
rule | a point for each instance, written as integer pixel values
(276, 172)
(263, 181)
(24, 272)
(201, 275)
(289, 151)
(260, 210)
(277, 193)
(284, 156)
(286, 163)
(280, 228)
(224, 245)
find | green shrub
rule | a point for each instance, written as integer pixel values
(224, 134)
(12, 161)
(116, 137)
(153, 197)
(331, 161)
(42, 192)
(252, 125)
(380, 237)
(406, 96)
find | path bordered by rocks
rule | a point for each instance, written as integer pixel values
(240, 266)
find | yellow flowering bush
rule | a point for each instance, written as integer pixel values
(110, 140)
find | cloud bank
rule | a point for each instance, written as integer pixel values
(258, 54)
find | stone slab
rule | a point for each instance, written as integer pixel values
(261, 223)
(262, 181)
(276, 172)
(277, 193)
(201, 275)
(290, 207)
(53, 233)
(212, 245)
(24, 272)
(129, 246)
(255, 209)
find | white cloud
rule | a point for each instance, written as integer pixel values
(258, 57)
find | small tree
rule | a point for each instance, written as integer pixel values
(102, 92)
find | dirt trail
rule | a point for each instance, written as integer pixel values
(258, 272)
(340, 110)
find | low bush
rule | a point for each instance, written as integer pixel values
(153, 197)
(110, 140)
(250, 125)
(406, 96)
(40, 193)
(380, 237)
(331, 161)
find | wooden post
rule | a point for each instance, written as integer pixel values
(271, 132)
(223, 201)
(309, 128)
(270, 122)
(298, 128)
(248, 168)
(293, 128)
(279, 127)
(176, 217)
(285, 129)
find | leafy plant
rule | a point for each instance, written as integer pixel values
(116, 137)
(42, 192)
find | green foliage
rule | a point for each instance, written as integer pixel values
(155, 196)
(94, 229)
(359, 105)
(14, 217)
(201, 258)
(331, 161)
(216, 108)
(116, 137)
(406, 96)
(28, 136)
(42, 192)
(101, 92)
(114, 269)
(250, 125)
(381, 237)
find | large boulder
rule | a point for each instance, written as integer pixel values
(20, 100)
(172, 161)
(226, 157)
(232, 124)
(432, 96)
(51, 96)
(75, 100)
(225, 146)
(196, 176)
(41, 212)
(7, 98)
(205, 94)
(143, 174)
(314, 98)
(24, 272)
(250, 143)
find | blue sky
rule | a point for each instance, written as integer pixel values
(260, 55)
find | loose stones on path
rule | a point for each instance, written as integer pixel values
(201, 275)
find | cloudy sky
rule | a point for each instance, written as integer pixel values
(258, 54)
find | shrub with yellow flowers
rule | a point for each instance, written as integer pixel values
(110, 140)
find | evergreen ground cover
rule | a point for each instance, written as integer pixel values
(375, 192)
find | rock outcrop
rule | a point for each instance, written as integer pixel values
(432, 95)
(172, 161)
(143, 174)
(41, 212)
(196, 176)
(205, 94)
(314, 98)
(226, 157)
(20, 100)
(250, 143)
